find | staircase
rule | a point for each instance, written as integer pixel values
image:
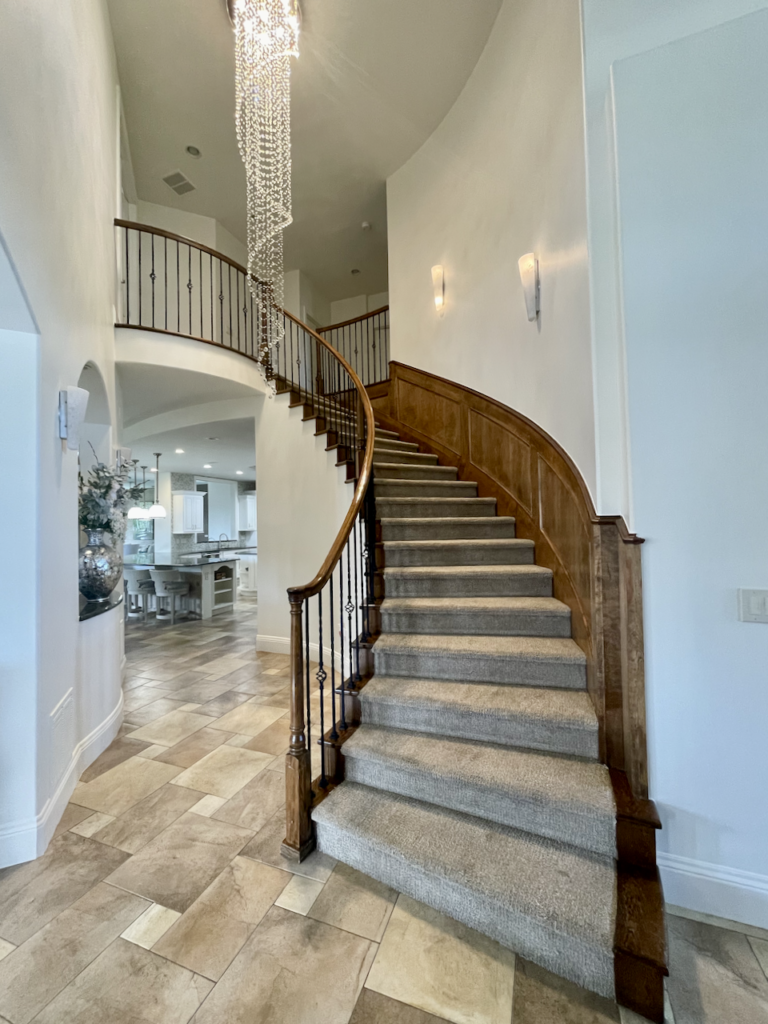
(473, 782)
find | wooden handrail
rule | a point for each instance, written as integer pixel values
(136, 226)
(354, 320)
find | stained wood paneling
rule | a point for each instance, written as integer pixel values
(503, 455)
(430, 412)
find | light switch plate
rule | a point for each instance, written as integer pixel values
(753, 605)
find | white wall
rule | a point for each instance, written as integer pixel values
(503, 175)
(59, 126)
(358, 305)
(692, 149)
(305, 300)
(613, 30)
(204, 230)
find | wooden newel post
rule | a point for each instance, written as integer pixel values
(299, 840)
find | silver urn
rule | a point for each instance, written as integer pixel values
(100, 567)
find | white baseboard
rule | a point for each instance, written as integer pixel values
(713, 889)
(25, 840)
(282, 645)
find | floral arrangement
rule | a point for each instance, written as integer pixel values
(105, 497)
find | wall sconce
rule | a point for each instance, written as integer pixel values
(72, 405)
(438, 284)
(529, 275)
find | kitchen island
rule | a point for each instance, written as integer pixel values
(212, 578)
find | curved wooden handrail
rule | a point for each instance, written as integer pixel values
(354, 320)
(134, 225)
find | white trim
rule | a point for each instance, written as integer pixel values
(715, 889)
(282, 645)
(24, 840)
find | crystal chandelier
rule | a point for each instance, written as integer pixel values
(266, 37)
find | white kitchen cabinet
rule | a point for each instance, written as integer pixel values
(188, 509)
(247, 505)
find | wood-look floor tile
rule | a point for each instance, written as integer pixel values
(543, 998)
(253, 805)
(284, 973)
(182, 861)
(299, 894)
(436, 964)
(55, 955)
(127, 984)
(224, 771)
(34, 893)
(265, 846)
(212, 932)
(151, 926)
(374, 1008)
(355, 902)
(124, 785)
(141, 823)
(119, 750)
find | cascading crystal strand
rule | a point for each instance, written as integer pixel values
(266, 37)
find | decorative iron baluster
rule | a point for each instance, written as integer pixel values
(343, 686)
(321, 675)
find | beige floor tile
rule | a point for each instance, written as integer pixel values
(182, 861)
(714, 975)
(153, 750)
(6, 948)
(224, 771)
(173, 727)
(127, 984)
(355, 902)
(718, 922)
(151, 712)
(73, 814)
(374, 1008)
(284, 973)
(265, 846)
(119, 750)
(34, 893)
(541, 997)
(146, 819)
(191, 706)
(223, 666)
(124, 785)
(274, 739)
(630, 1017)
(249, 719)
(212, 932)
(760, 949)
(253, 805)
(151, 926)
(238, 740)
(195, 747)
(55, 955)
(203, 690)
(208, 805)
(299, 894)
(227, 701)
(93, 824)
(140, 696)
(438, 965)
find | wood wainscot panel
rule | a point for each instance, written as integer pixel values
(503, 455)
(435, 415)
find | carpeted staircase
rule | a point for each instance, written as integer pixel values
(473, 782)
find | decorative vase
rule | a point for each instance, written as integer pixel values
(100, 567)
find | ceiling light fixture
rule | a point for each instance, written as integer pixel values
(238, 472)
(136, 511)
(207, 466)
(266, 37)
(179, 451)
(194, 151)
(157, 511)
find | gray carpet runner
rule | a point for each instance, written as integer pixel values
(473, 782)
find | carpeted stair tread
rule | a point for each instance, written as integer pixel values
(383, 433)
(541, 718)
(550, 902)
(487, 616)
(407, 458)
(468, 581)
(562, 798)
(519, 660)
(503, 551)
(386, 444)
(407, 471)
(393, 488)
(447, 528)
(417, 508)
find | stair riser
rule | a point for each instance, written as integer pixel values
(424, 489)
(477, 507)
(406, 458)
(478, 669)
(512, 585)
(387, 444)
(490, 528)
(459, 554)
(518, 731)
(462, 623)
(405, 471)
(499, 804)
(387, 435)
(529, 937)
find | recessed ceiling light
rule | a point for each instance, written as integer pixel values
(213, 439)
(194, 151)
(355, 271)
(238, 472)
(179, 451)
(207, 466)
(153, 470)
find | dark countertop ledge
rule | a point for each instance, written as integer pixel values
(90, 609)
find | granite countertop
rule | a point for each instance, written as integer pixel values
(181, 562)
(90, 609)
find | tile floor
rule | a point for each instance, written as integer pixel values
(163, 898)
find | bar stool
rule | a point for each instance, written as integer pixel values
(169, 583)
(138, 584)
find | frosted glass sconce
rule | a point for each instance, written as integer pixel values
(529, 275)
(72, 405)
(438, 284)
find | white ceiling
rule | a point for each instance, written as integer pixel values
(228, 445)
(373, 81)
(150, 390)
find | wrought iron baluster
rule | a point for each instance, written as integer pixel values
(308, 729)
(189, 287)
(334, 730)
(152, 276)
(358, 677)
(221, 304)
(321, 676)
(127, 281)
(141, 311)
(342, 688)
(201, 291)
(165, 278)
(178, 290)
(229, 301)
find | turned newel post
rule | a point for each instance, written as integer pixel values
(299, 840)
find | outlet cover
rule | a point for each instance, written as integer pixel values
(753, 605)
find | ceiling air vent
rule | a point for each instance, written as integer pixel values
(179, 183)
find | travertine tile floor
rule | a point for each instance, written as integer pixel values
(163, 898)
